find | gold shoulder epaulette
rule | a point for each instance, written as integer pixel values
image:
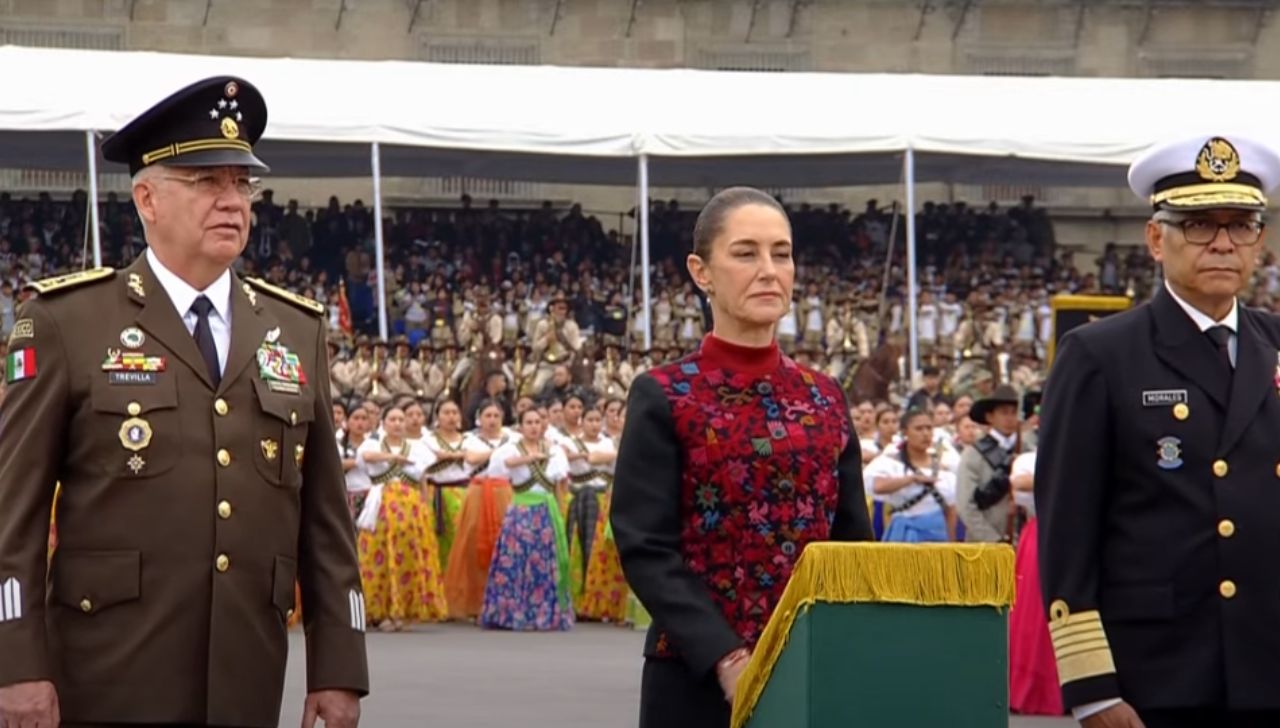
(71, 280)
(300, 301)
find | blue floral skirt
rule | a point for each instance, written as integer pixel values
(526, 590)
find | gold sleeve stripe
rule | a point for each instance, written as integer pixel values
(1078, 639)
(1079, 643)
(1090, 646)
(1075, 629)
(1085, 665)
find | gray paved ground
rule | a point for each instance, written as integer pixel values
(453, 676)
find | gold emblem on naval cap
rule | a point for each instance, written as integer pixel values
(230, 129)
(1218, 161)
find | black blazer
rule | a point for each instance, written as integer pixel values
(1158, 494)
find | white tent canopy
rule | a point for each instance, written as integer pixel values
(586, 125)
(591, 125)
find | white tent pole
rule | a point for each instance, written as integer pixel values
(91, 152)
(376, 159)
(909, 175)
(643, 204)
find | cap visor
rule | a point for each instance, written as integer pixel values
(218, 158)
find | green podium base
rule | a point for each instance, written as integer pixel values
(890, 666)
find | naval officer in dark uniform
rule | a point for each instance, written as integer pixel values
(186, 413)
(1158, 475)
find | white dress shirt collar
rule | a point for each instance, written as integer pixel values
(1201, 319)
(183, 295)
(1006, 441)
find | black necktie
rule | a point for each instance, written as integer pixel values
(204, 338)
(1221, 337)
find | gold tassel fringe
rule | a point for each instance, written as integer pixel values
(918, 574)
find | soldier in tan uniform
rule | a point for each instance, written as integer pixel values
(520, 369)
(357, 372)
(556, 340)
(431, 382)
(613, 375)
(379, 390)
(403, 373)
(481, 329)
(186, 413)
(339, 389)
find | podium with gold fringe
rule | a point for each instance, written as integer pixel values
(885, 635)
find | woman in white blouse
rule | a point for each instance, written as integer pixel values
(528, 585)
(398, 552)
(605, 590)
(590, 457)
(354, 435)
(480, 518)
(909, 477)
(449, 476)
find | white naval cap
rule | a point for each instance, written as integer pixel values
(1206, 172)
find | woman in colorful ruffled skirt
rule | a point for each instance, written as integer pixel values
(528, 585)
(398, 551)
(590, 457)
(449, 476)
(480, 520)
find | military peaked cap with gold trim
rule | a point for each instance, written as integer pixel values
(300, 301)
(71, 280)
(211, 123)
(1203, 173)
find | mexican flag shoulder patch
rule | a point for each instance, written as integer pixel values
(20, 365)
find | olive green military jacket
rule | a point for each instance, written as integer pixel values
(187, 512)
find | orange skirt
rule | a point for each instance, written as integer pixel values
(479, 524)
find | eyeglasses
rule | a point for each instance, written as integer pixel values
(1203, 231)
(212, 185)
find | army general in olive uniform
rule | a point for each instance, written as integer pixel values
(1158, 474)
(185, 412)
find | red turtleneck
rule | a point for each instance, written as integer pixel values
(754, 361)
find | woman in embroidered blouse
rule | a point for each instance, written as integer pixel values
(398, 551)
(910, 478)
(480, 518)
(732, 460)
(604, 593)
(528, 585)
(590, 459)
(449, 475)
(358, 481)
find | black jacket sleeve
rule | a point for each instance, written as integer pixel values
(646, 518)
(1072, 475)
(853, 520)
